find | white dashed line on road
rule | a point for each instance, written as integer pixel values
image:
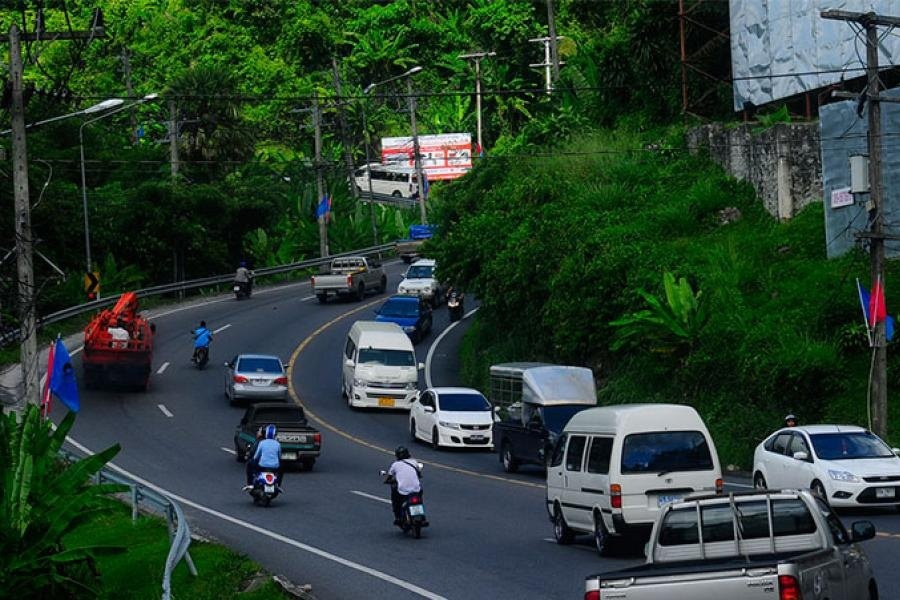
(228, 450)
(222, 328)
(160, 370)
(371, 497)
(164, 410)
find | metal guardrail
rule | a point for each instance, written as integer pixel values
(176, 523)
(183, 286)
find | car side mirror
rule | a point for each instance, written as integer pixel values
(421, 366)
(896, 451)
(349, 362)
(429, 409)
(801, 456)
(861, 531)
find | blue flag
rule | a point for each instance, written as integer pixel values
(324, 208)
(865, 301)
(62, 377)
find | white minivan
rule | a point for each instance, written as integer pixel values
(613, 467)
(379, 366)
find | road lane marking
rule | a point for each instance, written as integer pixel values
(222, 328)
(164, 410)
(228, 450)
(162, 368)
(325, 424)
(371, 497)
(307, 298)
(409, 586)
(437, 341)
(888, 535)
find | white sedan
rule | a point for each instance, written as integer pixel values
(845, 464)
(449, 416)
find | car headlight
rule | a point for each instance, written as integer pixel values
(427, 289)
(409, 328)
(411, 385)
(846, 476)
(401, 290)
(360, 383)
(448, 425)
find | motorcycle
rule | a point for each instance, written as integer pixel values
(412, 510)
(242, 289)
(265, 488)
(455, 306)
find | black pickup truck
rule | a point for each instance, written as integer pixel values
(300, 443)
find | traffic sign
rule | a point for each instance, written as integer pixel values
(92, 285)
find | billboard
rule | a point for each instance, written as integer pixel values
(780, 48)
(444, 156)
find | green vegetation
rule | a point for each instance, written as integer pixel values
(221, 573)
(568, 254)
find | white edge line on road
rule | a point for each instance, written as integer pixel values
(164, 410)
(229, 450)
(437, 341)
(371, 497)
(222, 328)
(162, 368)
(275, 536)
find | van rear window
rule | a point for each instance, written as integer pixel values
(666, 451)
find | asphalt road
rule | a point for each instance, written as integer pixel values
(489, 538)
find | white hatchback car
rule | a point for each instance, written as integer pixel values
(845, 464)
(419, 280)
(449, 416)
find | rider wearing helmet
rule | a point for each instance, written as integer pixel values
(404, 474)
(790, 420)
(267, 456)
(243, 276)
(202, 338)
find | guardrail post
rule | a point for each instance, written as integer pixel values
(135, 498)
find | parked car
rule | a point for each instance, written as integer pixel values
(747, 546)
(255, 377)
(411, 313)
(419, 280)
(844, 464)
(300, 443)
(451, 416)
(352, 276)
(615, 468)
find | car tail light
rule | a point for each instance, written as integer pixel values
(615, 496)
(788, 588)
(283, 381)
(312, 280)
(720, 486)
(349, 281)
(317, 438)
(240, 379)
(592, 595)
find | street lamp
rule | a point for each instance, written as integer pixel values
(105, 105)
(115, 103)
(420, 177)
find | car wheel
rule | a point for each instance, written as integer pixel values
(817, 488)
(240, 454)
(383, 286)
(322, 298)
(435, 439)
(396, 194)
(873, 590)
(561, 532)
(759, 482)
(602, 540)
(412, 431)
(308, 464)
(510, 464)
(360, 291)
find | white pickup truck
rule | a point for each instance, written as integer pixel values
(349, 276)
(753, 545)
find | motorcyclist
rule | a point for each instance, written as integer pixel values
(267, 456)
(790, 420)
(403, 475)
(244, 276)
(202, 338)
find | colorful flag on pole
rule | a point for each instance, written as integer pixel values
(874, 311)
(62, 377)
(323, 210)
(877, 308)
(45, 396)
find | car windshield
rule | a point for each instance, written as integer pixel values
(464, 402)
(842, 446)
(281, 414)
(390, 358)
(259, 365)
(665, 451)
(419, 272)
(399, 308)
(556, 417)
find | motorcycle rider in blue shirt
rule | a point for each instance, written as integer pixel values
(202, 338)
(267, 456)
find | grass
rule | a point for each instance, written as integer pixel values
(137, 573)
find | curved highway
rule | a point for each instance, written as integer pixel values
(489, 535)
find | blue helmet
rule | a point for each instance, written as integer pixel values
(270, 432)
(243, 263)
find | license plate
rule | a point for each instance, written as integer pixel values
(663, 500)
(260, 382)
(477, 438)
(237, 288)
(416, 510)
(289, 455)
(269, 489)
(385, 402)
(885, 492)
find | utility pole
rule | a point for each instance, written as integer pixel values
(870, 22)
(476, 57)
(420, 175)
(320, 186)
(22, 201)
(126, 70)
(548, 61)
(551, 29)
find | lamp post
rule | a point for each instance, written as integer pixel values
(420, 178)
(87, 230)
(368, 163)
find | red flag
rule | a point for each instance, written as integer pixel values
(877, 308)
(45, 397)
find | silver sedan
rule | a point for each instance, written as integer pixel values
(255, 377)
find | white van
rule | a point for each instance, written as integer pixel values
(615, 466)
(399, 182)
(379, 366)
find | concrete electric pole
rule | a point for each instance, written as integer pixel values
(320, 185)
(476, 57)
(870, 22)
(417, 156)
